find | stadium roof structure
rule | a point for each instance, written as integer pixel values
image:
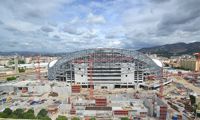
(103, 55)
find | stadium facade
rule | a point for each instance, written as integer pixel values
(107, 68)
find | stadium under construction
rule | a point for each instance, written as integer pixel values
(105, 68)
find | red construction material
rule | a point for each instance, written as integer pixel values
(180, 117)
(179, 73)
(76, 88)
(69, 100)
(163, 113)
(151, 77)
(73, 110)
(87, 118)
(101, 102)
(24, 89)
(121, 112)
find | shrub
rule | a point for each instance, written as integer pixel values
(29, 114)
(125, 118)
(18, 113)
(61, 118)
(11, 78)
(75, 118)
(7, 112)
(3, 115)
(21, 70)
(93, 118)
(42, 113)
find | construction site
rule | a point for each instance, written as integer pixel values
(106, 84)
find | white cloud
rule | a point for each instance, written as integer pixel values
(67, 25)
(21, 25)
(95, 19)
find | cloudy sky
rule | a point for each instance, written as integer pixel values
(68, 25)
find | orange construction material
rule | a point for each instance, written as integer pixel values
(121, 112)
(73, 110)
(163, 113)
(69, 100)
(76, 88)
(24, 89)
(101, 102)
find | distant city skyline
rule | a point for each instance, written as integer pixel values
(69, 25)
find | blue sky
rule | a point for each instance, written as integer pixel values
(68, 25)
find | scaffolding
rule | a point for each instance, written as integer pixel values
(64, 68)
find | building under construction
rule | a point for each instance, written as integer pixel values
(104, 68)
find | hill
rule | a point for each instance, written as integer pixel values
(173, 49)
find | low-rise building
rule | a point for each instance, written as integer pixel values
(188, 64)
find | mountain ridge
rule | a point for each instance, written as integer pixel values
(168, 50)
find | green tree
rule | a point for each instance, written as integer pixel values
(42, 113)
(29, 114)
(125, 118)
(75, 118)
(11, 78)
(21, 70)
(60, 117)
(21, 62)
(92, 118)
(45, 118)
(3, 115)
(18, 113)
(7, 112)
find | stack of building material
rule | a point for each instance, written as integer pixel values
(120, 112)
(163, 112)
(76, 88)
(73, 110)
(101, 102)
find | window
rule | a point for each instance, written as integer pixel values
(79, 68)
(126, 75)
(81, 75)
(128, 68)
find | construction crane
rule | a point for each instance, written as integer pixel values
(161, 83)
